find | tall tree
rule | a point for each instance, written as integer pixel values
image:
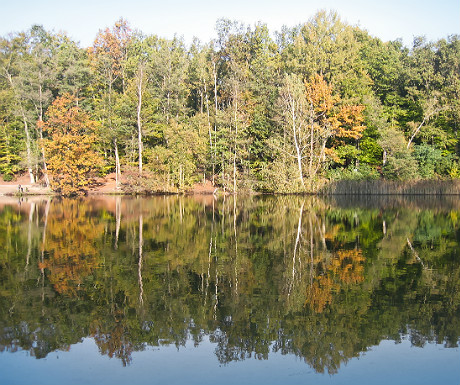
(11, 140)
(69, 147)
(72, 67)
(201, 83)
(13, 51)
(424, 87)
(138, 78)
(168, 91)
(108, 57)
(329, 47)
(236, 98)
(310, 115)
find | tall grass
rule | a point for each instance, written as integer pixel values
(386, 187)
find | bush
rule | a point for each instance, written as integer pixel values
(364, 172)
(403, 167)
(8, 177)
(147, 183)
(454, 172)
(427, 158)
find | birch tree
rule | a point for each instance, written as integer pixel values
(294, 110)
(11, 49)
(310, 115)
(108, 57)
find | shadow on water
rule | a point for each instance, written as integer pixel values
(423, 202)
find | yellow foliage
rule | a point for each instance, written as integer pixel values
(351, 122)
(346, 268)
(70, 248)
(69, 151)
(344, 121)
(319, 294)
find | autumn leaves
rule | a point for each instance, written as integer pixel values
(69, 146)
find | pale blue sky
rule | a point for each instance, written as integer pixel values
(81, 19)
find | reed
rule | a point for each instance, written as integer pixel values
(386, 187)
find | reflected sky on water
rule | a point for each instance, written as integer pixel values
(384, 364)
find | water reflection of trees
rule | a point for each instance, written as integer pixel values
(293, 275)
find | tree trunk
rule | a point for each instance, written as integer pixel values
(215, 122)
(296, 143)
(416, 132)
(235, 140)
(28, 149)
(45, 168)
(209, 130)
(310, 164)
(117, 164)
(139, 123)
(40, 118)
(26, 129)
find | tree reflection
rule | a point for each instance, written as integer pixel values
(71, 244)
(257, 275)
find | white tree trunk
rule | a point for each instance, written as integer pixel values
(139, 123)
(117, 165)
(296, 142)
(28, 149)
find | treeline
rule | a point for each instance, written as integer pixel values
(248, 110)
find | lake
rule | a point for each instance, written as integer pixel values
(247, 290)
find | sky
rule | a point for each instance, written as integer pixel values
(82, 19)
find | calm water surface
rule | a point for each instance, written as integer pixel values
(199, 290)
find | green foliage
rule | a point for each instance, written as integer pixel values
(400, 167)
(10, 150)
(370, 151)
(363, 172)
(186, 149)
(346, 154)
(454, 171)
(427, 158)
(216, 108)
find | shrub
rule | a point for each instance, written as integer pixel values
(364, 172)
(8, 177)
(427, 158)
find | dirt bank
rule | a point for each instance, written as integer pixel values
(105, 185)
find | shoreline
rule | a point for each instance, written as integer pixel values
(108, 187)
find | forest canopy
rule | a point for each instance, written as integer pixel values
(250, 110)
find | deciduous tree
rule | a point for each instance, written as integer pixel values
(69, 146)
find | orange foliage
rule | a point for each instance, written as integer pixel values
(319, 95)
(110, 48)
(346, 268)
(70, 248)
(319, 294)
(344, 121)
(71, 158)
(351, 119)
